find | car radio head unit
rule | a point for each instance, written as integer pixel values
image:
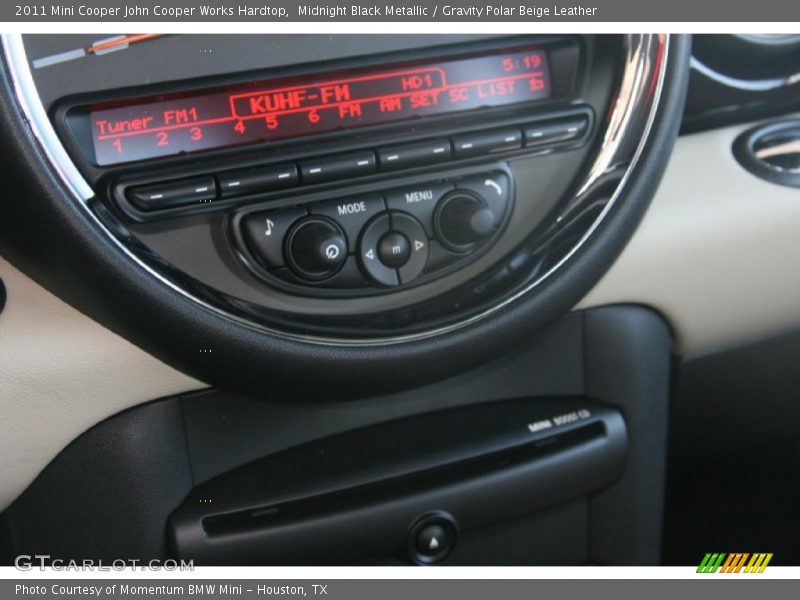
(126, 130)
(358, 177)
(381, 190)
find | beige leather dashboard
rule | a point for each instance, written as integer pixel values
(61, 373)
(717, 254)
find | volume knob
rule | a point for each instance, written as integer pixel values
(463, 220)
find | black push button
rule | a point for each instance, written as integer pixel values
(351, 213)
(432, 538)
(486, 142)
(316, 248)
(262, 179)
(341, 166)
(369, 253)
(555, 131)
(412, 155)
(419, 200)
(493, 187)
(264, 233)
(394, 249)
(173, 194)
(418, 245)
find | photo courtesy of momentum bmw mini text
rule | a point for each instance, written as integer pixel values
(399, 300)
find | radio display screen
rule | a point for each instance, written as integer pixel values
(275, 110)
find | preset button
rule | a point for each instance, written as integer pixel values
(486, 142)
(412, 155)
(173, 194)
(260, 179)
(341, 166)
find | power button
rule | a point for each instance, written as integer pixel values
(316, 248)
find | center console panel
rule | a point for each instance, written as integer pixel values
(352, 496)
(551, 454)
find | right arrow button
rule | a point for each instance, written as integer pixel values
(413, 230)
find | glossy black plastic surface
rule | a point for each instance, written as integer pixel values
(354, 495)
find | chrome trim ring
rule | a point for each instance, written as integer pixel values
(38, 121)
(745, 85)
(641, 85)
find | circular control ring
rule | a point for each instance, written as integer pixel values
(399, 263)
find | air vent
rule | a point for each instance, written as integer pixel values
(771, 151)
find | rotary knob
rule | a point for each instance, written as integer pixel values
(463, 220)
(316, 248)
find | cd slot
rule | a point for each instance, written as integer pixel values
(502, 459)
(293, 512)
